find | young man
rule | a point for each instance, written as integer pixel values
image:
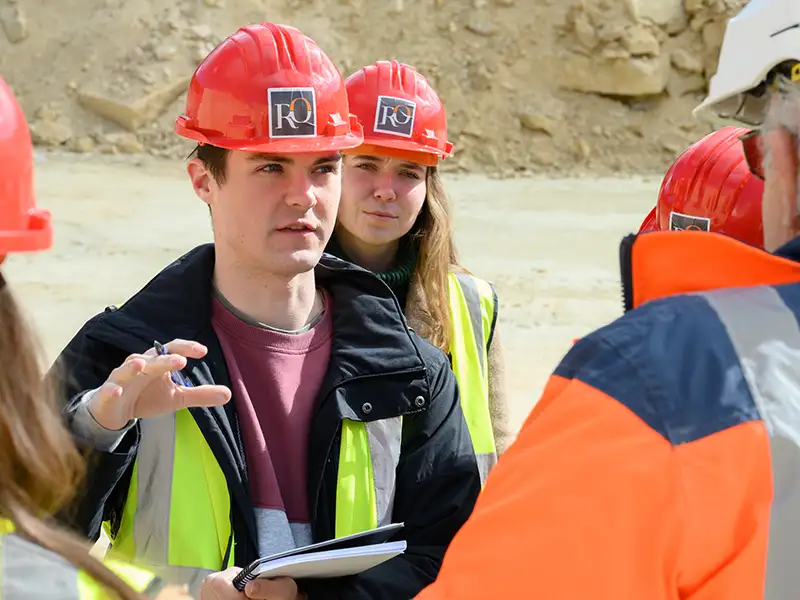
(341, 418)
(662, 461)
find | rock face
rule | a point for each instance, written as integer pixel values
(622, 76)
(620, 49)
(529, 85)
(659, 12)
(141, 111)
(14, 23)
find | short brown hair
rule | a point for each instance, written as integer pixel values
(213, 158)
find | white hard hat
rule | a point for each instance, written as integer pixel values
(763, 35)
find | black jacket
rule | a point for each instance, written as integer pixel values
(375, 358)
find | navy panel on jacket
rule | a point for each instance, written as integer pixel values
(790, 294)
(671, 363)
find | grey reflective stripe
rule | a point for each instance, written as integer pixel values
(385, 437)
(766, 337)
(183, 576)
(485, 464)
(30, 571)
(155, 464)
(473, 299)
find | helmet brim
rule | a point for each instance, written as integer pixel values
(650, 222)
(296, 145)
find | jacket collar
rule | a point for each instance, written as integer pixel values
(665, 263)
(370, 330)
(790, 250)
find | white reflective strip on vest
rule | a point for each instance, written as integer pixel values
(385, 438)
(183, 576)
(766, 337)
(485, 464)
(156, 461)
(472, 297)
(29, 571)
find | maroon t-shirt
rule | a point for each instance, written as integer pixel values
(275, 378)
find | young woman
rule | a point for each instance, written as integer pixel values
(39, 465)
(394, 219)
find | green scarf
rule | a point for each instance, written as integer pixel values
(401, 274)
(397, 276)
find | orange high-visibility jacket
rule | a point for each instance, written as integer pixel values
(663, 460)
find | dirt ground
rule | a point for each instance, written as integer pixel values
(547, 87)
(549, 245)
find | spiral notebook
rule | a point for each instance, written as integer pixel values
(339, 557)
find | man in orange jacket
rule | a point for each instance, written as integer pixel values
(663, 459)
(710, 187)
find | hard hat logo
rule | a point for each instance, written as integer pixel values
(681, 222)
(395, 116)
(292, 112)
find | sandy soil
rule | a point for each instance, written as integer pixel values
(550, 246)
(543, 86)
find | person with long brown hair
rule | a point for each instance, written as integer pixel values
(394, 219)
(40, 466)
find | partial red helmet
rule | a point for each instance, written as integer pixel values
(269, 88)
(710, 188)
(401, 113)
(23, 226)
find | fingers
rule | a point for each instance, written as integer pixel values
(205, 395)
(174, 593)
(159, 365)
(136, 365)
(135, 375)
(124, 373)
(107, 391)
(145, 364)
(186, 348)
(281, 588)
(218, 586)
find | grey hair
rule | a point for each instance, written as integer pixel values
(784, 108)
(783, 112)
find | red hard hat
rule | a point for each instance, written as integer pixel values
(23, 227)
(710, 187)
(269, 88)
(401, 114)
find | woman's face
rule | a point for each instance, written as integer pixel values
(381, 198)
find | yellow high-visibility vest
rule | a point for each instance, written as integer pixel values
(472, 314)
(176, 518)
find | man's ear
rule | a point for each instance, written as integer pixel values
(202, 181)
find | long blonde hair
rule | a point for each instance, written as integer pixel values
(433, 232)
(40, 467)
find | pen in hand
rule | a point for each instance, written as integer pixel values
(176, 376)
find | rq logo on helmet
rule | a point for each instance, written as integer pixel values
(681, 222)
(395, 116)
(292, 112)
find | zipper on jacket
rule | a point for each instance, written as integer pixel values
(626, 270)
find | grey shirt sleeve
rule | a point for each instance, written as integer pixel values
(88, 430)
